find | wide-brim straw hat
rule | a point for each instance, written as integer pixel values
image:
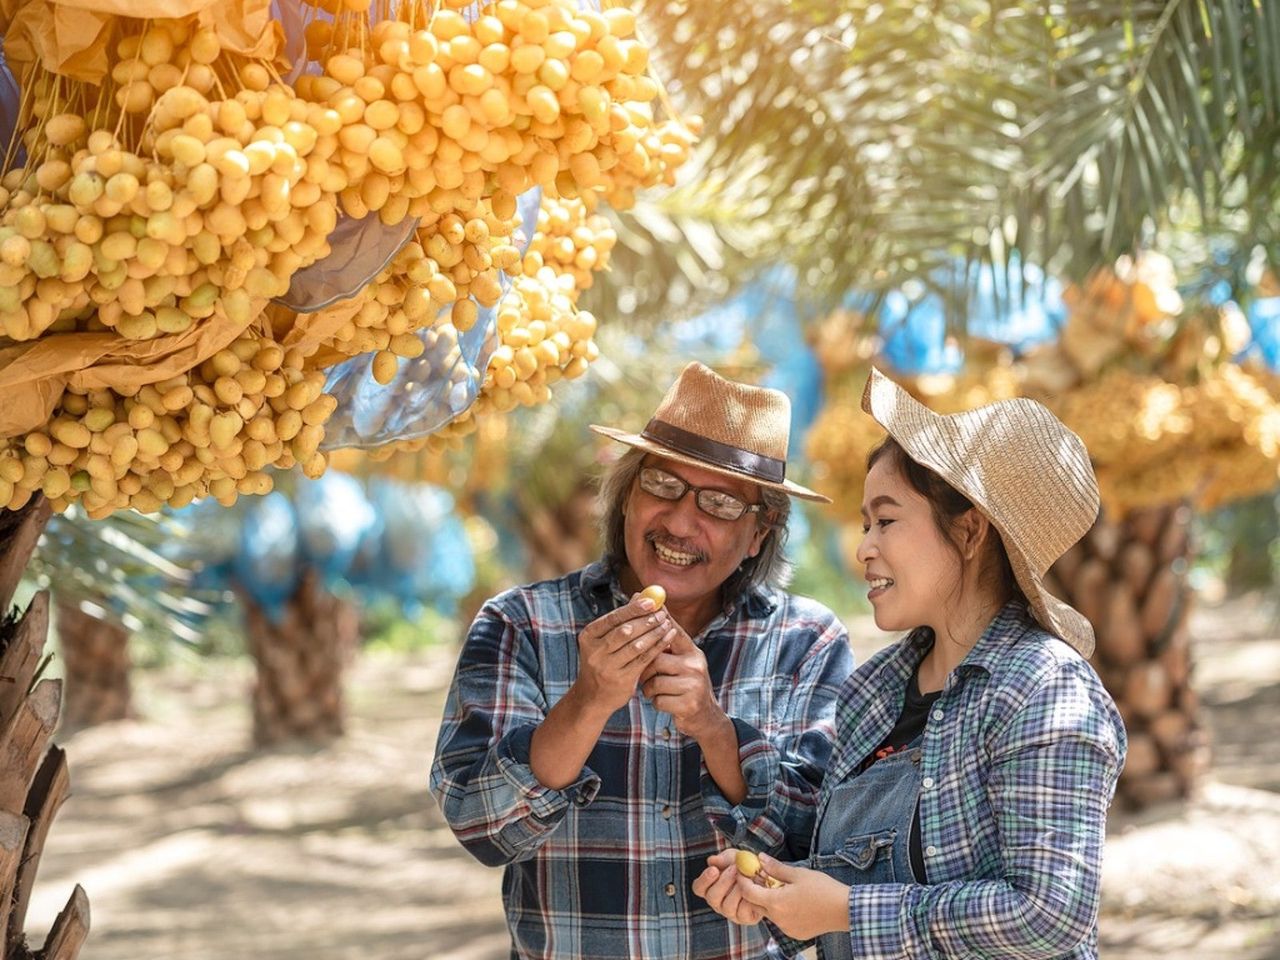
(1021, 467)
(723, 426)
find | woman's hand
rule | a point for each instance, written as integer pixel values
(807, 905)
(719, 886)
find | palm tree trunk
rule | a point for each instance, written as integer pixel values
(301, 662)
(33, 780)
(1129, 577)
(19, 532)
(95, 659)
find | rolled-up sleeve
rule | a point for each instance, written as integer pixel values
(783, 774)
(481, 776)
(1054, 762)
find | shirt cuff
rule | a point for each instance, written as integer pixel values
(878, 918)
(545, 803)
(761, 770)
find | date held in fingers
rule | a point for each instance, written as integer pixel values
(655, 593)
(748, 865)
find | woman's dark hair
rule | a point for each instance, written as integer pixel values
(948, 505)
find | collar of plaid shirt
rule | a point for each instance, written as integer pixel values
(900, 662)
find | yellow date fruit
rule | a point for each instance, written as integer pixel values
(655, 593)
(748, 865)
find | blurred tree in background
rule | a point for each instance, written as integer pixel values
(871, 143)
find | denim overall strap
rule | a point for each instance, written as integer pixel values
(865, 832)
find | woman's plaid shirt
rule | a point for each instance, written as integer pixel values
(1020, 759)
(602, 868)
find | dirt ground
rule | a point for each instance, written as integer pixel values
(193, 846)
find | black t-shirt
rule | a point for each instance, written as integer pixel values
(905, 734)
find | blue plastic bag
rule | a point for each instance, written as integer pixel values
(767, 313)
(289, 14)
(359, 251)
(1264, 320)
(10, 103)
(422, 554)
(427, 391)
(266, 566)
(333, 516)
(216, 537)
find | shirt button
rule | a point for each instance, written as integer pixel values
(936, 715)
(666, 733)
(927, 782)
(931, 851)
(666, 811)
(671, 889)
(580, 800)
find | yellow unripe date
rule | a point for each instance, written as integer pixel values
(56, 482)
(344, 68)
(37, 445)
(99, 419)
(658, 595)
(386, 156)
(15, 250)
(528, 59)
(151, 443)
(747, 862)
(381, 115)
(543, 104)
(205, 46)
(71, 432)
(224, 428)
(124, 450)
(463, 315)
(288, 424)
(385, 366)
(63, 129)
(748, 865)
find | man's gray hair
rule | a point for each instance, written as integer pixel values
(768, 567)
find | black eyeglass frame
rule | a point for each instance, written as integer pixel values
(686, 487)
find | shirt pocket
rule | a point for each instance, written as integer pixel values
(863, 858)
(753, 703)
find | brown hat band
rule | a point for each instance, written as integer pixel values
(712, 451)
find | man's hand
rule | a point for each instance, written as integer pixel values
(615, 650)
(677, 682)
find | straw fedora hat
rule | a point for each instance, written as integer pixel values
(721, 425)
(1026, 472)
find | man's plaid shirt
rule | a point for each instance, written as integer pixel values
(602, 868)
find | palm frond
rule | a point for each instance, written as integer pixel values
(120, 568)
(1166, 94)
(677, 252)
(837, 128)
(877, 142)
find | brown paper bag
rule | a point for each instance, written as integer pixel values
(34, 375)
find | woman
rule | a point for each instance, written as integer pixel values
(964, 809)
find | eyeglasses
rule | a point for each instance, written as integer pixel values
(715, 503)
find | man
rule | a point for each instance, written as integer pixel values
(584, 722)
